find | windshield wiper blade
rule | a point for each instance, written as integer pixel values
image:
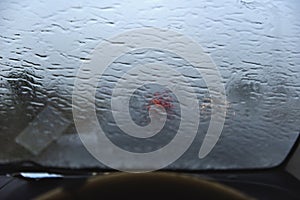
(31, 169)
(39, 175)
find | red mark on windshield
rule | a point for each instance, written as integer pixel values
(162, 99)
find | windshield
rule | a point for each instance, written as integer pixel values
(254, 46)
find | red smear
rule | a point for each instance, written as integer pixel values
(162, 100)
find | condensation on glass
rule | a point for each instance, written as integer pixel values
(255, 45)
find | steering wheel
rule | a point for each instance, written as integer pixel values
(155, 185)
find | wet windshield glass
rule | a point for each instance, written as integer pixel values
(254, 45)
